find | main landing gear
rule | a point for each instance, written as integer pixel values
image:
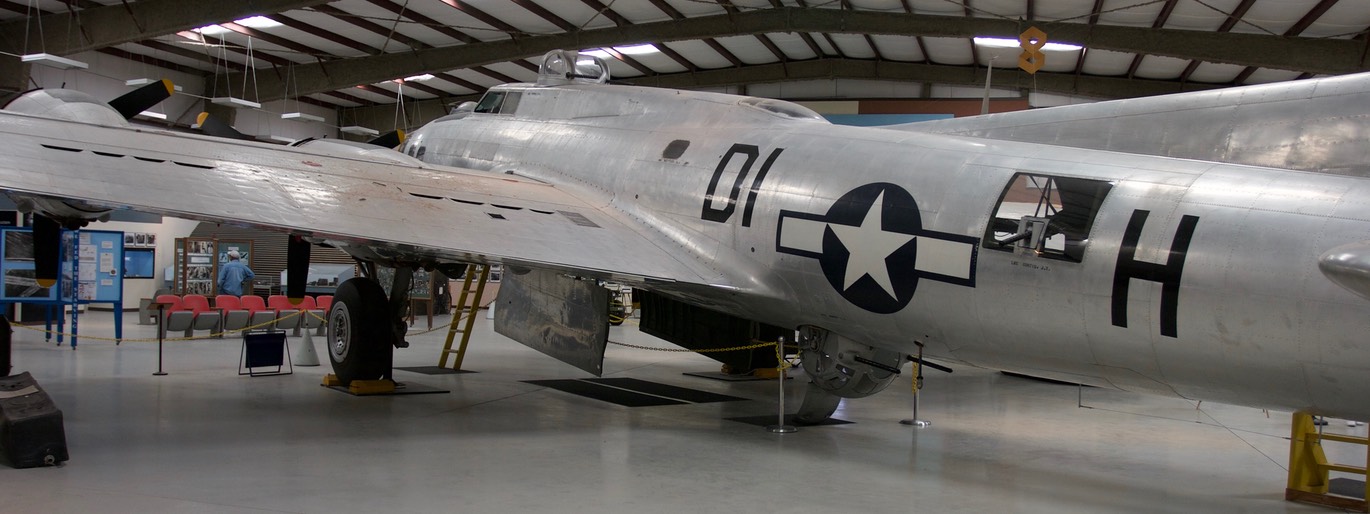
(364, 327)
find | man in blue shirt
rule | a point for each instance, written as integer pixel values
(232, 275)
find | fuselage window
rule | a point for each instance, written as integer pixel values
(1046, 216)
(490, 103)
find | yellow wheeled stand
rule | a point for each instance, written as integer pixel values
(361, 387)
(1308, 466)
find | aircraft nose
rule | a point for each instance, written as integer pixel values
(1348, 266)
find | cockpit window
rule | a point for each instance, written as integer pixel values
(490, 103)
(499, 102)
(783, 109)
(1046, 216)
(511, 103)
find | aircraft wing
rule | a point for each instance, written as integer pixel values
(420, 212)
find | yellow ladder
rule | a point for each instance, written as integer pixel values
(1308, 466)
(465, 313)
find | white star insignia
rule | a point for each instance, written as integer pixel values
(869, 245)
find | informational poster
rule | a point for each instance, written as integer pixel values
(99, 266)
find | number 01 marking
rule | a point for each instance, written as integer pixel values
(711, 197)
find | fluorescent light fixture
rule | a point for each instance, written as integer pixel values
(299, 116)
(643, 49)
(283, 139)
(211, 30)
(144, 82)
(153, 115)
(999, 42)
(61, 63)
(419, 78)
(359, 130)
(258, 22)
(236, 102)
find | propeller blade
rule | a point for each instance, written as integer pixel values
(390, 139)
(139, 100)
(47, 250)
(217, 128)
(296, 268)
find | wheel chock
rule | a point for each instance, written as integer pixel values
(364, 387)
(331, 380)
(766, 373)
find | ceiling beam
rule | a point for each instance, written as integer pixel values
(100, 27)
(1233, 18)
(1325, 56)
(1161, 18)
(1311, 16)
(1067, 83)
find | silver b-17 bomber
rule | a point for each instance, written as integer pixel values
(1085, 244)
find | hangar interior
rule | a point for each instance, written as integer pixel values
(204, 438)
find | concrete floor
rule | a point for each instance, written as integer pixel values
(203, 439)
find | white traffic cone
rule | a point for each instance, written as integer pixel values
(305, 355)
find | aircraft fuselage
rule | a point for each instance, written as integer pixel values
(1153, 274)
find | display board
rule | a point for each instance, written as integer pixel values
(99, 266)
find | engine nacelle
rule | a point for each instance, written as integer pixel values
(67, 104)
(68, 213)
(844, 367)
(70, 105)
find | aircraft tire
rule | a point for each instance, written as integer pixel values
(358, 331)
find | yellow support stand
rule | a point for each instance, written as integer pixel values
(365, 387)
(465, 313)
(1309, 468)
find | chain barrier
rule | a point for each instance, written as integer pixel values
(211, 335)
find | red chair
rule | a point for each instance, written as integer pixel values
(177, 317)
(235, 316)
(325, 302)
(284, 312)
(206, 317)
(256, 310)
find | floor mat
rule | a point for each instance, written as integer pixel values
(1348, 487)
(768, 420)
(433, 370)
(668, 391)
(401, 388)
(605, 393)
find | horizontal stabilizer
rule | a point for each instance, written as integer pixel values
(560, 316)
(1349, 266)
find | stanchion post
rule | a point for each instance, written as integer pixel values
(917, 384)
(780, 427)
(161, 333)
